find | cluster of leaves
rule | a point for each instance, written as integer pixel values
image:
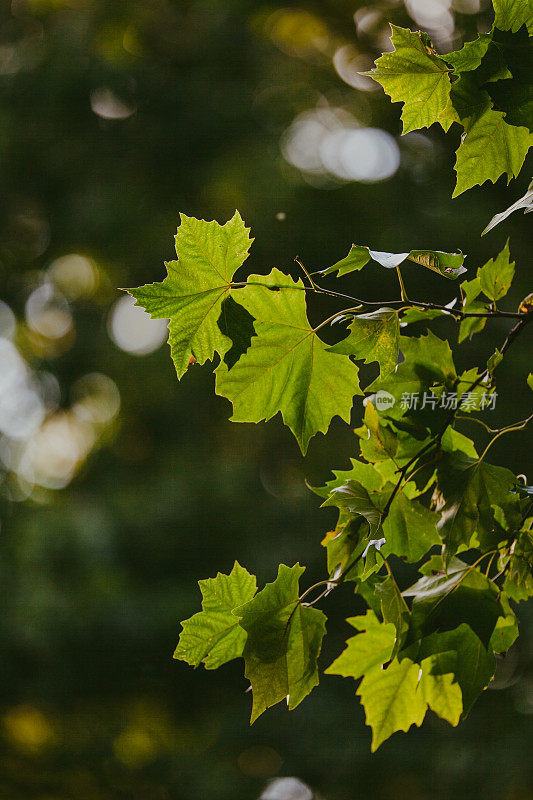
(419, 493)
(486, 87)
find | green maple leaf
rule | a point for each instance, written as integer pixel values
(378, 442)
(471, 54)
(383, 445)
(474, 665)
(364, 473)
(489, 149)
(467, 489)
(515, 99)
(428, 361)
(512, 14)
(519, 579)
(214, 635)
(449, 265)
(415, 75)
(394, 608)
(353, 498)
(439, 686)
(370, 648)
(456, 594)
(506, 630)
(391, 700)
(409, 528)
(283, 644)
(373, 337)
(496, 276)
(345, 546)
(196, 285)
(287, 367)
(471, 325)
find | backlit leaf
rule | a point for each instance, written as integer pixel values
(490, 148)
(415, 75)
(283, 644)
(391, 700)
(512, 14)
(370, 648)
(287, 367)
(192, 294)
(214, 635)
(373, 337)
(450, 265)
(439, 686)
(497, 275)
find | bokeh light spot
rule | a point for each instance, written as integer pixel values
(48, 312)
(74, 275)
(133, 330)
(8, 322)
(96, 398)
(107, 105)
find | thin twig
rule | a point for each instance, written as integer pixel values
(371, 303)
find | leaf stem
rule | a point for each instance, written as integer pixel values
(402, 287)
(372, 303)
(518, 426)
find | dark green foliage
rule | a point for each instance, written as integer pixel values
(419, 492)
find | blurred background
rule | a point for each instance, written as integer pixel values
(119, 487)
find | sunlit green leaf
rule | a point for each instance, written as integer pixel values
(496, 276)
(458, 593)
(391, 700)
(506, 630)
(373, 337)
(512, 14)
(394, 608)
(470, 55)
(192, 294)
(439, 686)
(354, 498)
(410, 529)
(474, 665)
(416, 76)
(489, 149)
(428, 361)
(214, 635)
(283, 644)
(370, 648)
(518, 582)
(287, 367)
(467, 490)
